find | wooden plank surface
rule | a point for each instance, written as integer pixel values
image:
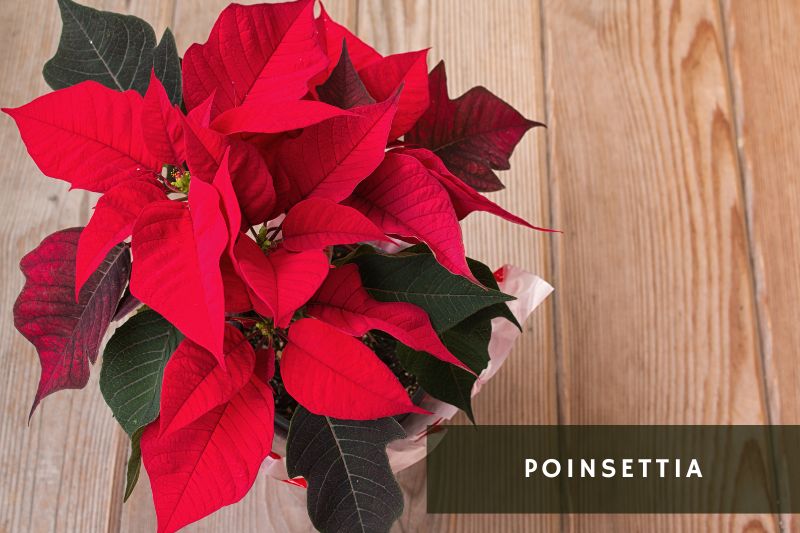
(668, 162)
(763, 42)
(656, 313)
(765, 68)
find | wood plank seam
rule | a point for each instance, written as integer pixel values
(552, 218)
(746, 185)
(757, 279)
(553, 248)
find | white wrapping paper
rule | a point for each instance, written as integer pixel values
(530, 291)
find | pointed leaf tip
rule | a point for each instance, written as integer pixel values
(407, 74)
(417, 278)
(67, 334)
(475, 134)
(334, 374)
(465, 199)
(316, 223)
(98, 132)
(195, 382)
(344, 87)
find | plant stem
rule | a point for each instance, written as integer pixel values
(274, 232)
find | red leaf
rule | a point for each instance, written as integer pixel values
(97, 132)
(277, 117)
(316, 223)
(265, 364)
(343, 303)
(385, 77)
(251, 179)
(213, 461)
(252, 182)
(205, 149)
(465, 199)
(177, 250)
(329, 159)
(194, 383)
(66, 333)
(332, 35)
(282, 281)
(333, 374)
(344, 87)
(111, 223)
(233, 213)
(237, 299)
(162, 127)
(201, 115)
(402, 198)
(258, 54)
(473, 134)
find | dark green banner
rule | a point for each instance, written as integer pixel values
(614, 469)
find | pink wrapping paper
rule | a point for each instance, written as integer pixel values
(530, 291)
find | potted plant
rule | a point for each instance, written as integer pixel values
(278, 236)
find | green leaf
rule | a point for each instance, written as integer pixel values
(419, 279)
(469, 342)
(441, 380)
(485, 275)
(351, 486)
(133, 365)
(167, 66)
(116, 50)
(134, 463)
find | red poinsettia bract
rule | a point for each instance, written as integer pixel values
(233, 208)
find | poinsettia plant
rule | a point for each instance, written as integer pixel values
(255, 198)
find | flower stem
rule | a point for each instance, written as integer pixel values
(274, 232)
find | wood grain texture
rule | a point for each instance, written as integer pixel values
(657, 320)
(764, 40)
(764, 68)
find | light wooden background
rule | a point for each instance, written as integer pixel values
(670, 162)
